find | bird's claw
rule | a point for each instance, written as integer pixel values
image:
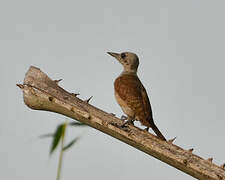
(127, 122)
(123, 118)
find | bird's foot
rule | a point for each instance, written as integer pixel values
(146, 129)
(123, 118)
(127, 122)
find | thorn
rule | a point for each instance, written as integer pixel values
(171, 140)
(190, 150)
(223, 166)
(57, 81)
(75, 94)
(87, 101)
(210, 159)
(20, 86)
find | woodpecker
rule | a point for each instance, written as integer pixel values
(131, 95)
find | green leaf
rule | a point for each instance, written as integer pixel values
(77, 124)
(56, 137)
(71, 143)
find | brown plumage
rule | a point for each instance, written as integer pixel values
(131, 94)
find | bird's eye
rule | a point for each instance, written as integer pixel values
(123, 55)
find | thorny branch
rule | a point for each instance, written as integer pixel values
(42, 93)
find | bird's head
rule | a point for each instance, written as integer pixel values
(129, 61)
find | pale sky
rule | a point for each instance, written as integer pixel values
(180, 45)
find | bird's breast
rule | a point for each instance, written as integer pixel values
(123, 104)
(122, 89)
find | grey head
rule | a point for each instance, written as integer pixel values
(129, 61)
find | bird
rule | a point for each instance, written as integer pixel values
(130, 93)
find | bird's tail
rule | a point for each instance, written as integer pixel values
(157, 131)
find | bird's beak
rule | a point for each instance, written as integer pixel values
(115, 55)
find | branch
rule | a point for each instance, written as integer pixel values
(42, 93)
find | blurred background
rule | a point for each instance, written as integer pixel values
(180, 45)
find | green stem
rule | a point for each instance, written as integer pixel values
(61, 153)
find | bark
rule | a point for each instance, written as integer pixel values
(42, 93)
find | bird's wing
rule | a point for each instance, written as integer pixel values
(146, 103)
